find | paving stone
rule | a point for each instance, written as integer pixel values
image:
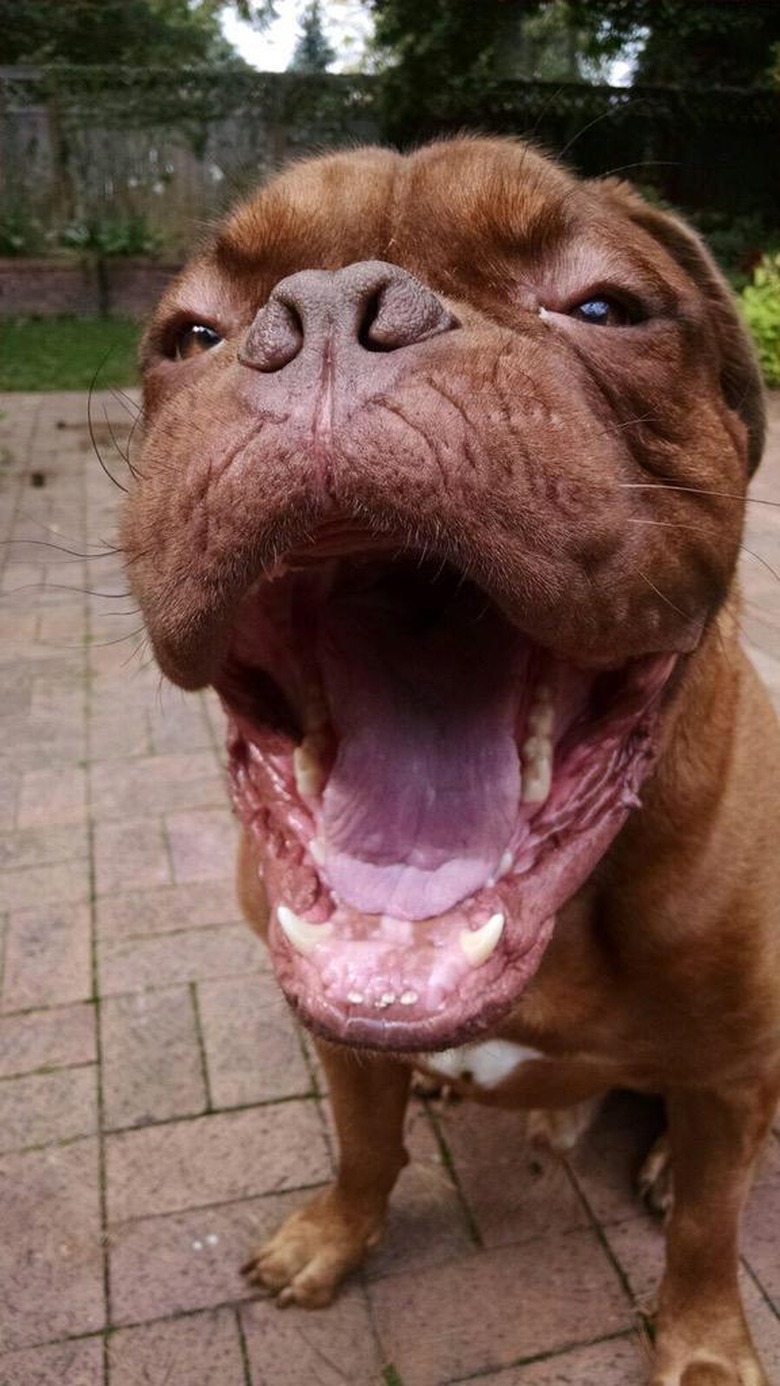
(63, 882)
(179, 1262)
(607, 1159)
(521, 1301)
(42, 846)
(203, 844)
(59, 699)
(761, 1227)
(514, 1192)
(116, 737)
(44, 1107)
(426, 1222)
(74, 1363)
(211, 1159)
(253, 1053)
(130, 853)
(29, 744)
(168, 909)
(51, 1257)
(62, 626)
(337, 1348)
(49, 798)
(132, 963)
(177, 722)
(152, 1067)
(201, 1351)
(56, 1038)
(47, 956)
(156, 785)
(619, 1362)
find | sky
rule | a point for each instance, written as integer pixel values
(347, 26)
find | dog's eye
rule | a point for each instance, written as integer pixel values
(194, 340)
(602, 312)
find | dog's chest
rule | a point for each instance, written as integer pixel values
(486, 1064)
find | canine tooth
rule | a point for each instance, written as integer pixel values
(537, 782)
(303, 936)
(317, 851)
(408, 998)
(355, 997)
(541, 719)
(536, 749)
(505, 865)
(478, 944)
(307, 766)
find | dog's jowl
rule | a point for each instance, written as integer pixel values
(442, 491)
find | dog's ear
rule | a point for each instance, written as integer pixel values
(740, 376)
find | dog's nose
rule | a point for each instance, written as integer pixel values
(370, 305)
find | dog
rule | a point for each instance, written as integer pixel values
(442, 490)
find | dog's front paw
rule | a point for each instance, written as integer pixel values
(312, 1253)
(737, 1367)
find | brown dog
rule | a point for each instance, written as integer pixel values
(441, 490)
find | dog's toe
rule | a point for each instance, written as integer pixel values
(559, 1129)
(310, 1255)
(654, 1181)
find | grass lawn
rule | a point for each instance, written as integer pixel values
(66, 353)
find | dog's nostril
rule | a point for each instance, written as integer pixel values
(402, 312)
(275, 337)
(370, 314)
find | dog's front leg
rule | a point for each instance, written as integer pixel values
(317, 1246)
(702, 1337)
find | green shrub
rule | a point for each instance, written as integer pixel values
(761, 306)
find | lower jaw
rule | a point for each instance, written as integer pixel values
(427, 997)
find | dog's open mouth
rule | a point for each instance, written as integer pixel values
(425, 787)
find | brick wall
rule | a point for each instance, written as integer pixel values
(48, 288)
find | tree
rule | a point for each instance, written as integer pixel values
(312, 52)
(133, 32)
(675, 42)
(687, 42)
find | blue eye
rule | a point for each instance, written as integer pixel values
(601, 312)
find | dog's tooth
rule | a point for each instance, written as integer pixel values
(303, 936)
(537, 756)
(408, 998)
(541, 719)
(317, 851)
(536, 748)
(478, 944)
(537, 782)
(307, 766)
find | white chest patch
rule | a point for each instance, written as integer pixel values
(487, 1064)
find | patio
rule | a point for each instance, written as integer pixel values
(159, 1109)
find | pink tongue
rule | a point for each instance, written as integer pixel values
(423, 796)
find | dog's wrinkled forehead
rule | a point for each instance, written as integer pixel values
(445, 210)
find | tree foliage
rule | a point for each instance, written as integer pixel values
(132, 32)
(675, 42)
(312, 52)
(688, 42)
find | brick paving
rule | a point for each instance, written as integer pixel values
(159, 1110)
